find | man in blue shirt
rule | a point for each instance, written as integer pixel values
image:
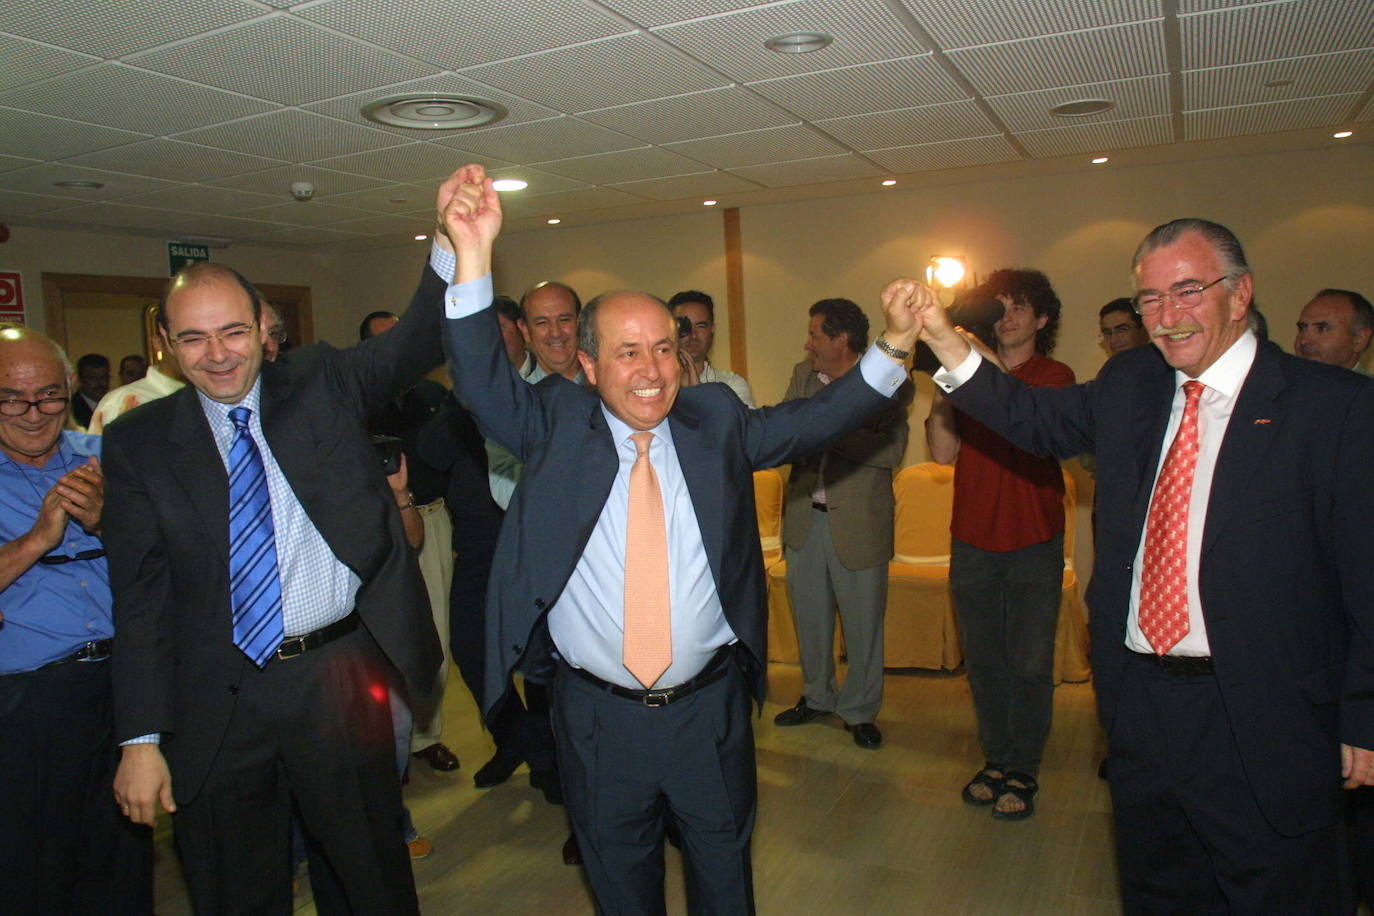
(64, 845)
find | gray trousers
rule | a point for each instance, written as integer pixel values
(815, 576)
(1008, 608)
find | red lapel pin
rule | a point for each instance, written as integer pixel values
(1263, 422)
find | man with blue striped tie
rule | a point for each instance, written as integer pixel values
(267, 602)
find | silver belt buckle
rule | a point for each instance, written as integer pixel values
(659, 698)
(292, 647)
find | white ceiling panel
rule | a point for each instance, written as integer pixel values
(172, 159)
(1269, 118)
(10, 163)
(776, 144)
(458, 35)
(556, 138)
(412, 162)
(698, 114)
(650, 13)
(23, 62)
(305, 213)
(199, 198)
(950, 121)
(905, 83)
(966, 23)
(81, 26)
(562, 202)
(1306, 77)
(190, 224)
(17, 203)
(1367, 114)
(1138, 98)
(278, 181)
(292, 135)
(117, 214)
(309, 235)
(703, 185)
(349, 107)
(540, 182)
(283, 60)
(1275, 30)
(950, 155)
(1093, 138)
(37, 135)
(1073, 59)
(390, 199)
(39, 179)
(864, 31)
(630, 68)
(810, 171)
(399, 225)
(627, 165)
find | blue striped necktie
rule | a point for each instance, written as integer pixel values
(254, 586)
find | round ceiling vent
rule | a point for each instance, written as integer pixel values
(433, 112)
(1082, 107)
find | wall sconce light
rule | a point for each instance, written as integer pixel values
(946, 272)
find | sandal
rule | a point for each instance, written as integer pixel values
(984, 777)
(1025, 791)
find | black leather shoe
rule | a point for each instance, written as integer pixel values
(571, 854)
(547, 782)
(866, 735)
(496, 770)
(799, 714)
(439, 757)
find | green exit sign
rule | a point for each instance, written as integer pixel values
(180, 254)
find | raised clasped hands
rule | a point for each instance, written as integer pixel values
(468, 210)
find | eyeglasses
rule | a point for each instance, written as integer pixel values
(57, 559)
(1121, 330)
(17, 407)
(277, 333)
(236, 338)
(1184, 296)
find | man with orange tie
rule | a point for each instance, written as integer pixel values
(629, 566)
(1232, 597)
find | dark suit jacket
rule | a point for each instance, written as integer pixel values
(166, 521)
(1287, 572)
(558, 430)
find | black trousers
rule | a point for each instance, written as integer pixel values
(315, 729)
(64, 846)
(627, 767)
(1190, 836)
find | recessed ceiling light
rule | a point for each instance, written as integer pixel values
(397, 200)
(433, 112)
(78, 185)
(708, 203)
(1276, 83)
(889, 182)
(553, 222)
(1082, 108)
(1099, 160)
(798, 42)
(1342, 134)
(510, 184)
(421, 238)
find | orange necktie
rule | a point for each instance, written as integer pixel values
(1164, 573)
(648, 634)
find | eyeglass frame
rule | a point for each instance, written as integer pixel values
(64, 399)
(201, 339)
(1174, 295)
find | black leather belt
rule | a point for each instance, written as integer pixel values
(95, 651)
(820, 507)
(714, 670)
(299, 645)
(1181, 665)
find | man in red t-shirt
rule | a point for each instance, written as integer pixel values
(1007, 554)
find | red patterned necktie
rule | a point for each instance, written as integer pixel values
(1164, 575)
(648, 647)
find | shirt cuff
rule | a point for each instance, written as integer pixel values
(880, 372)
(154, 738)
(949, 379)
(461, 299)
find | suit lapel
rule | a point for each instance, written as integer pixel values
(700, 473)
(595, 476)
(195, 462)
(1152, 408)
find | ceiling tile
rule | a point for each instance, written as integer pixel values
(277, 181)
(389, 199)
(864, 31)
(1368, 113)
(9, 163)
(1074, 59)
(865, 88)
(776, 144)
(349, 107)
(950, 155)
(1272, 30)
(162, 158)
(702, 185)
(118, 96)
(556, 138)
(1137, 98)
(292, 135)
(1325, 74)
(117, 214)
(414, 162)
(16, 203)
(233, 227)
(950, 121)
(967, 23)
(399, 225)
(44, 137)
(627, 165)
(39, 180)
(199, 198)
(656, 12)
(810, 171)
(697, 114)
(630, 68)
(1262, 119)
(573, 201)
(26, 61)
(455, 36)
(540, 182)
(1093, 138)
(113, 28)
(309, 235)
(282, 60)
(305, 213)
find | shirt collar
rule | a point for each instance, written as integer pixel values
(621, 431)
(218, 411)
(1227, 374)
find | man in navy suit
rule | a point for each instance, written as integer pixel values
(635, 751)
(1233, 723)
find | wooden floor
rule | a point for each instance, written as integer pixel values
(840, 830)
